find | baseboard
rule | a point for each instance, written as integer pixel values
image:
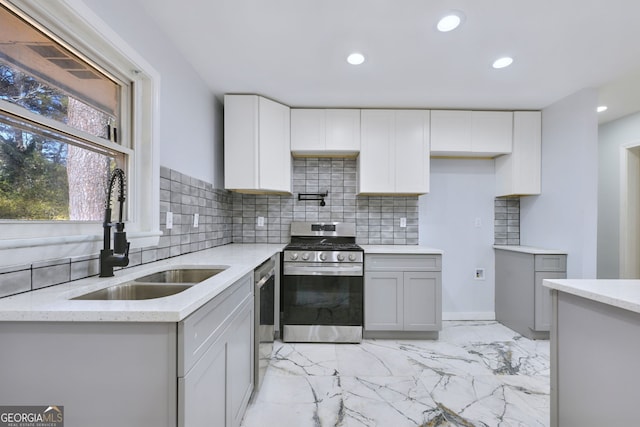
(469, 315)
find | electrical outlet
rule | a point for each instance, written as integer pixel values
(403, 222)
(196, 220)
(169, 222)
(260, 221)
(479, 274)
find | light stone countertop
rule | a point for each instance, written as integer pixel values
(54, 303)
(623, 294)
(401, 249)
(529, 250)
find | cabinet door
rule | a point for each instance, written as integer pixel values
(377, 154)
(202, 392)
(383, 300)
(491, 132)
(412, 156)
(275, 147)
(450, 132)
(241, 142)
(240, 364)
(308, 130)
(542, 304)
(422, 301)
(518, 173)
(343, 131)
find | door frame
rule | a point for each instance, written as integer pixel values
(629, 254)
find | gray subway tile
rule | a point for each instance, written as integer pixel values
(15, 282)
(43, 275)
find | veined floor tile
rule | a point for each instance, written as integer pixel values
(304, 359)
(477, 374)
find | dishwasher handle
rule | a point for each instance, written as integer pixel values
(264, 279)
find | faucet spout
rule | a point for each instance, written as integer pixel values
(119, 255)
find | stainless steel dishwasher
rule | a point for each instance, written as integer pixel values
(264, 299)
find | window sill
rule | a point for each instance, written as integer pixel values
(27, 251)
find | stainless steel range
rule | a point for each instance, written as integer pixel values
(322, 284)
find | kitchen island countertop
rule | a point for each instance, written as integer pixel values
(623, 294)
(55, 303)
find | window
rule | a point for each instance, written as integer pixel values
(70, 91)
(50, 170)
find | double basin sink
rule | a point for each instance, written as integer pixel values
(157, 285)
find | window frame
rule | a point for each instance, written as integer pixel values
(77, 27)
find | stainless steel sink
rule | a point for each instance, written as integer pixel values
(180, 275)
(156, 285)
(135, 291)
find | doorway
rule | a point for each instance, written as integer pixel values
(630, 211)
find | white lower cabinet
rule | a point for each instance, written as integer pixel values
(215, 357)
(240, 365)
(202, 392)
(522, 302)
(197, 372)
(402, 296)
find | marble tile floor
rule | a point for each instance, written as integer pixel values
(476, 374)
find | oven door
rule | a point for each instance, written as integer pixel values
(322, 307)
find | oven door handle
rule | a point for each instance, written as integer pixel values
(298, 270)
(266, 278)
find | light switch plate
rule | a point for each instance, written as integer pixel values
(169, 222)
(403, 222)
(196, 220)
(260, 221)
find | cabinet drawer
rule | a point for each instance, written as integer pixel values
(375, 262)
(550, 263)
(199, 331)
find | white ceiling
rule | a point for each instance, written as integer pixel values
(294, 51)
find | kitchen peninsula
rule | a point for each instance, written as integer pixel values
(594, 352)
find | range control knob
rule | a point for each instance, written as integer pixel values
(305, 256)
(340, 257)
(352, 257)
(323, 256)
(294, 256)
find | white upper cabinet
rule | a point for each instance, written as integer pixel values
(394, 153)
(491, 132)
(518, 173)
(334, 132)
(257, 149)
(471, 133)
(450, 131)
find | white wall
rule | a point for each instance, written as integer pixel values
(461, 191)
(611, 137)
(188, 110)
(564, 216)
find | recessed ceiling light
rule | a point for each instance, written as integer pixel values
(450, 22)
(601, 108)
(355, 58)
(502, 62)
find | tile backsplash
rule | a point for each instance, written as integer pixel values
(507, 221)
(377, 218)
(180, 194)
(226, 217)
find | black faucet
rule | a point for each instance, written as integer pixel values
(119, 255)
